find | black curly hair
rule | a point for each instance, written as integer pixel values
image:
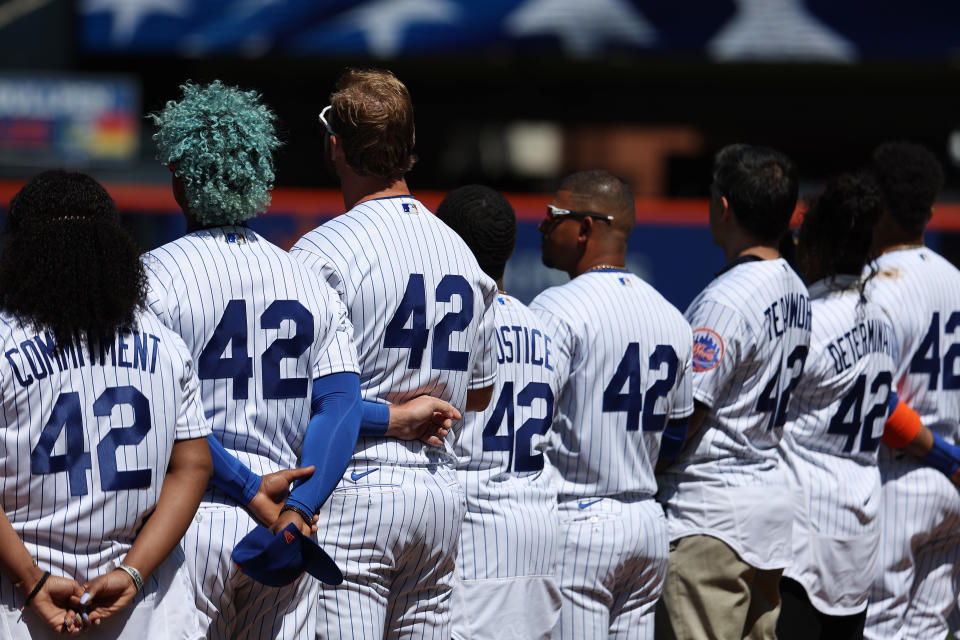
(837, 229)
(67, 265)
(910, 178)
(485, 221)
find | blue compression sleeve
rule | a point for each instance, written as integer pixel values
(943, 456)
(894, 400)
(230, 475)
(330, 439)
(675, 434)
(375, 420)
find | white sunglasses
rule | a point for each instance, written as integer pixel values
(556, 212)
(323, 119)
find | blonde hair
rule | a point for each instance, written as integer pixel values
(372, 115)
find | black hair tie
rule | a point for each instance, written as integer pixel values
(36, 589)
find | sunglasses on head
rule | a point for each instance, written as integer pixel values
(323, 119)
(553, 213)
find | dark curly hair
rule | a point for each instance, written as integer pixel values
(485, 221)
(67, 266)
(837, 228)
(761, 186)
(910, 178)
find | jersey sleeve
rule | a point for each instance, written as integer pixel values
(682, 405)
(484, 372)
(718, 332)
(160, 299)
(309, 251)
(337, 353)
(191, 420)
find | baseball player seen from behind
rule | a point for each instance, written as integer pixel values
(919, 578)
(275, 358)
(623, 407)
(508, 545)
(103, 457)
(729, 507)
(420, 309)
(837, 416)
(269, 342)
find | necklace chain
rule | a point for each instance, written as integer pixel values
(600, 267)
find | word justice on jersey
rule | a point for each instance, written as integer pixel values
(516, 343)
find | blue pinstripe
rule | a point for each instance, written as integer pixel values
(915, 591)
(367, 255)
(192, 279)
(612, 533)
(836, 492)
(83, 536)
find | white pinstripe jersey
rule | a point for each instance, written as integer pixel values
(85, 443)
(751, 332)
(419, 304)
(261, 328)
(836, 420)
(920, 291)
(629, 374)
(507, 478)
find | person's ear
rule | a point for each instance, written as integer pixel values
(726, 211)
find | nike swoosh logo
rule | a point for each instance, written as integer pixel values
(584, 505)
(356, 476)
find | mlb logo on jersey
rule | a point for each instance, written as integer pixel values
(236, 238)
(409, 207)
(707, 349)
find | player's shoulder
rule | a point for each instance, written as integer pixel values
(172, 345)
(556, 300)
(917, 265)
(364, 220)
(748, 288)
(10, 327)
(507, 309)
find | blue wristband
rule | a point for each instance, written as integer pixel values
(943, 456)
(374, 419)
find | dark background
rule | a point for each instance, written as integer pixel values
(620, 102)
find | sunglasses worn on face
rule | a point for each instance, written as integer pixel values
(323, 119)
(555, 213)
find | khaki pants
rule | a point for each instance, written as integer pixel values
(711, 594)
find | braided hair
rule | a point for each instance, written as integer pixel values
(837, 229)
(485, 221)
(67, 266)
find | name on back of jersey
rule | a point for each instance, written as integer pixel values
(871, 336)
(34, 358)
(791, 310)
(520, 344)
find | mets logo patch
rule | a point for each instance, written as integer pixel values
(707, 349)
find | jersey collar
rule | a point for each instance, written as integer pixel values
(741, 260)
(839, 282)
(207, 227)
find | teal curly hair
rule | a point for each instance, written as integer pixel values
(220, 141)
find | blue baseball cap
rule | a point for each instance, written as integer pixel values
(278, 559)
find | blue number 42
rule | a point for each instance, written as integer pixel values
(67, 416)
